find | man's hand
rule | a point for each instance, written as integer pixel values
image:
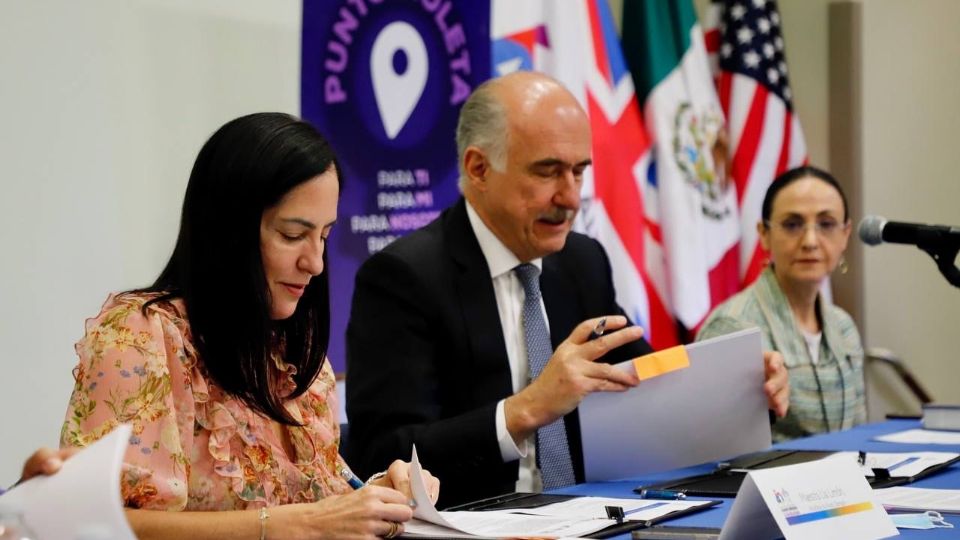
(777, 384)
(571, 374)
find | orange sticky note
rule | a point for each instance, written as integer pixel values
(661, 362)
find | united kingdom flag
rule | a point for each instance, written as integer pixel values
(588, 60)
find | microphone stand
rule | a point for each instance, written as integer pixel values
(943, 253)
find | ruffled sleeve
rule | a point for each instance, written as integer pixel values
(134, 369)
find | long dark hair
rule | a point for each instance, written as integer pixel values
(247, 166)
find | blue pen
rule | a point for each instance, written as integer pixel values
(351, 478)
(662, 494)
(356, 483)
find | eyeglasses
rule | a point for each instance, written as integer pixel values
(795, 227)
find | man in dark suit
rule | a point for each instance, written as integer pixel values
(444, 341)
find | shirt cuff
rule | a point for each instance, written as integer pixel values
(509, 450)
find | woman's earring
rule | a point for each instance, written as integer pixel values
(843, 266)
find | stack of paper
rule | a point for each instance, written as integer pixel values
(922, 436)
(919, 499)
(575, 517)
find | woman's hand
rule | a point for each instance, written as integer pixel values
(45, 461)
(370, 512)
(777, 383)
(398, 478)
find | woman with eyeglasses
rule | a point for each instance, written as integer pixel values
(805, 228)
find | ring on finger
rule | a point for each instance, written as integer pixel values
(394, 530)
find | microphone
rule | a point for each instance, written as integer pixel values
(874, 230)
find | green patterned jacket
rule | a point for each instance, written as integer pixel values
(828, 396)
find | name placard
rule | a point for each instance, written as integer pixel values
(829, 498)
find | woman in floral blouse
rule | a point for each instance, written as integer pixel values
(220, 364)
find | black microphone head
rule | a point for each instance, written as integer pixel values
(871, 230)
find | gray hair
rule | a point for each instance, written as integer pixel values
(482, 124)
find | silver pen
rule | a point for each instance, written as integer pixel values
(599, 329)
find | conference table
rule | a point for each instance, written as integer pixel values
(859, 438)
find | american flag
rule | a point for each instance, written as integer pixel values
(745, 42)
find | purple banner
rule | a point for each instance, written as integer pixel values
(384, 81)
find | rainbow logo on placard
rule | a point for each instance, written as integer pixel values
(831, 513)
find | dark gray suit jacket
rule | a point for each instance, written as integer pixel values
(426, 359)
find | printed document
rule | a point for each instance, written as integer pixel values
(83, 498)
(487, 524)
(919, 499)
(922, 436)
(898, 464)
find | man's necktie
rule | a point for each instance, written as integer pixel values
(553, 452)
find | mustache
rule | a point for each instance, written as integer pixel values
(558, 215)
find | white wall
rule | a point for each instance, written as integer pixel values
(103, 107)
(911, 116)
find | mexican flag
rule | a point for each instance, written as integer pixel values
(693, 215)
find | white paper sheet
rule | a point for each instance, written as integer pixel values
(84, 496)
(680, 418)
(898, 464)
(922, 436)
(487, 524)
(920, 499)
(500, 525)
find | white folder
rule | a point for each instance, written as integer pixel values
(712, 410)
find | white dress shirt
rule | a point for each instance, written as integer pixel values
(510, 296)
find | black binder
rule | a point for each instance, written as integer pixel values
(512, 501)
(520, 500)
(725, 481)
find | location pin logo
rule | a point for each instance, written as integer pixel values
(398, 66)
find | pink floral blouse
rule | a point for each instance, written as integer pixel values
(193, 446)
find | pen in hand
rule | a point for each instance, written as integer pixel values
(356, 483)
(599, 329)
(351, 478)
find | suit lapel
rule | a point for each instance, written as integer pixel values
(560, 299)
(478, 303)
